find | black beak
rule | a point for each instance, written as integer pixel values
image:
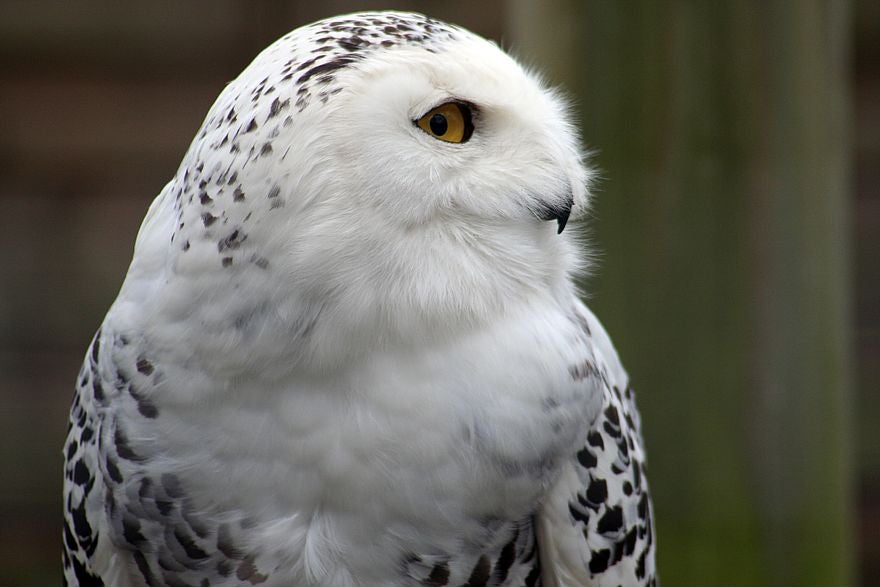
(559, 213)
(562, 219)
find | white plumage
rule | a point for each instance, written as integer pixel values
(348, 350)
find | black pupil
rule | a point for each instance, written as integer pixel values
(438, 125)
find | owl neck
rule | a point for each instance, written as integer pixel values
(319, 308)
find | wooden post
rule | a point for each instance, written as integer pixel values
(721, 231)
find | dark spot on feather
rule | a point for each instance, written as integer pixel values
(643, 506)
(145, 407)
(611, 522)
(69, 540)
(87, 431)
(98, 391)
(164, 506)
(81, 474)
(612, 415)
(172, 486)
(71, 449)
(144, 366)
(586, 458)
(306, 64)
(189, 545)
(224, 567)
(640, 565)
(611, 429)
(122, 447)
(247, 571)
(83, 577)
(328, 66)
(81, 523)
(597, 492)
(233, 241)
(578, 514)
(225, 543)
(594, 439)
(480, 575)
(196, 524)
(131, 530)
(599, 560)
(439, 575)
(533, 576)
(629, 542)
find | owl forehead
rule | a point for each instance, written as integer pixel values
(315, 54)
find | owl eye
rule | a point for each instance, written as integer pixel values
(450, 122)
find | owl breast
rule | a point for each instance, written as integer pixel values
(458, 431)
(428, 451)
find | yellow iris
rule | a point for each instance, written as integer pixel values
(450, 122)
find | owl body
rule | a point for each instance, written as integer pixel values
(348, 350)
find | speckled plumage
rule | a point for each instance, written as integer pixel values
(347, 353)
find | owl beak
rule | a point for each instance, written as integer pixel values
(559, 213)
(562, 218)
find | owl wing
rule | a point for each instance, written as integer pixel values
(127, 520)
(85, 541)
(596, 525)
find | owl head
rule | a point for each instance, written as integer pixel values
(375, 178)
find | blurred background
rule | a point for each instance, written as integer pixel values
(736, 230)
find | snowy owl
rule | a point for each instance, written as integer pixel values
(348, 350)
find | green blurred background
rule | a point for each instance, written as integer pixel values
(736, 233)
